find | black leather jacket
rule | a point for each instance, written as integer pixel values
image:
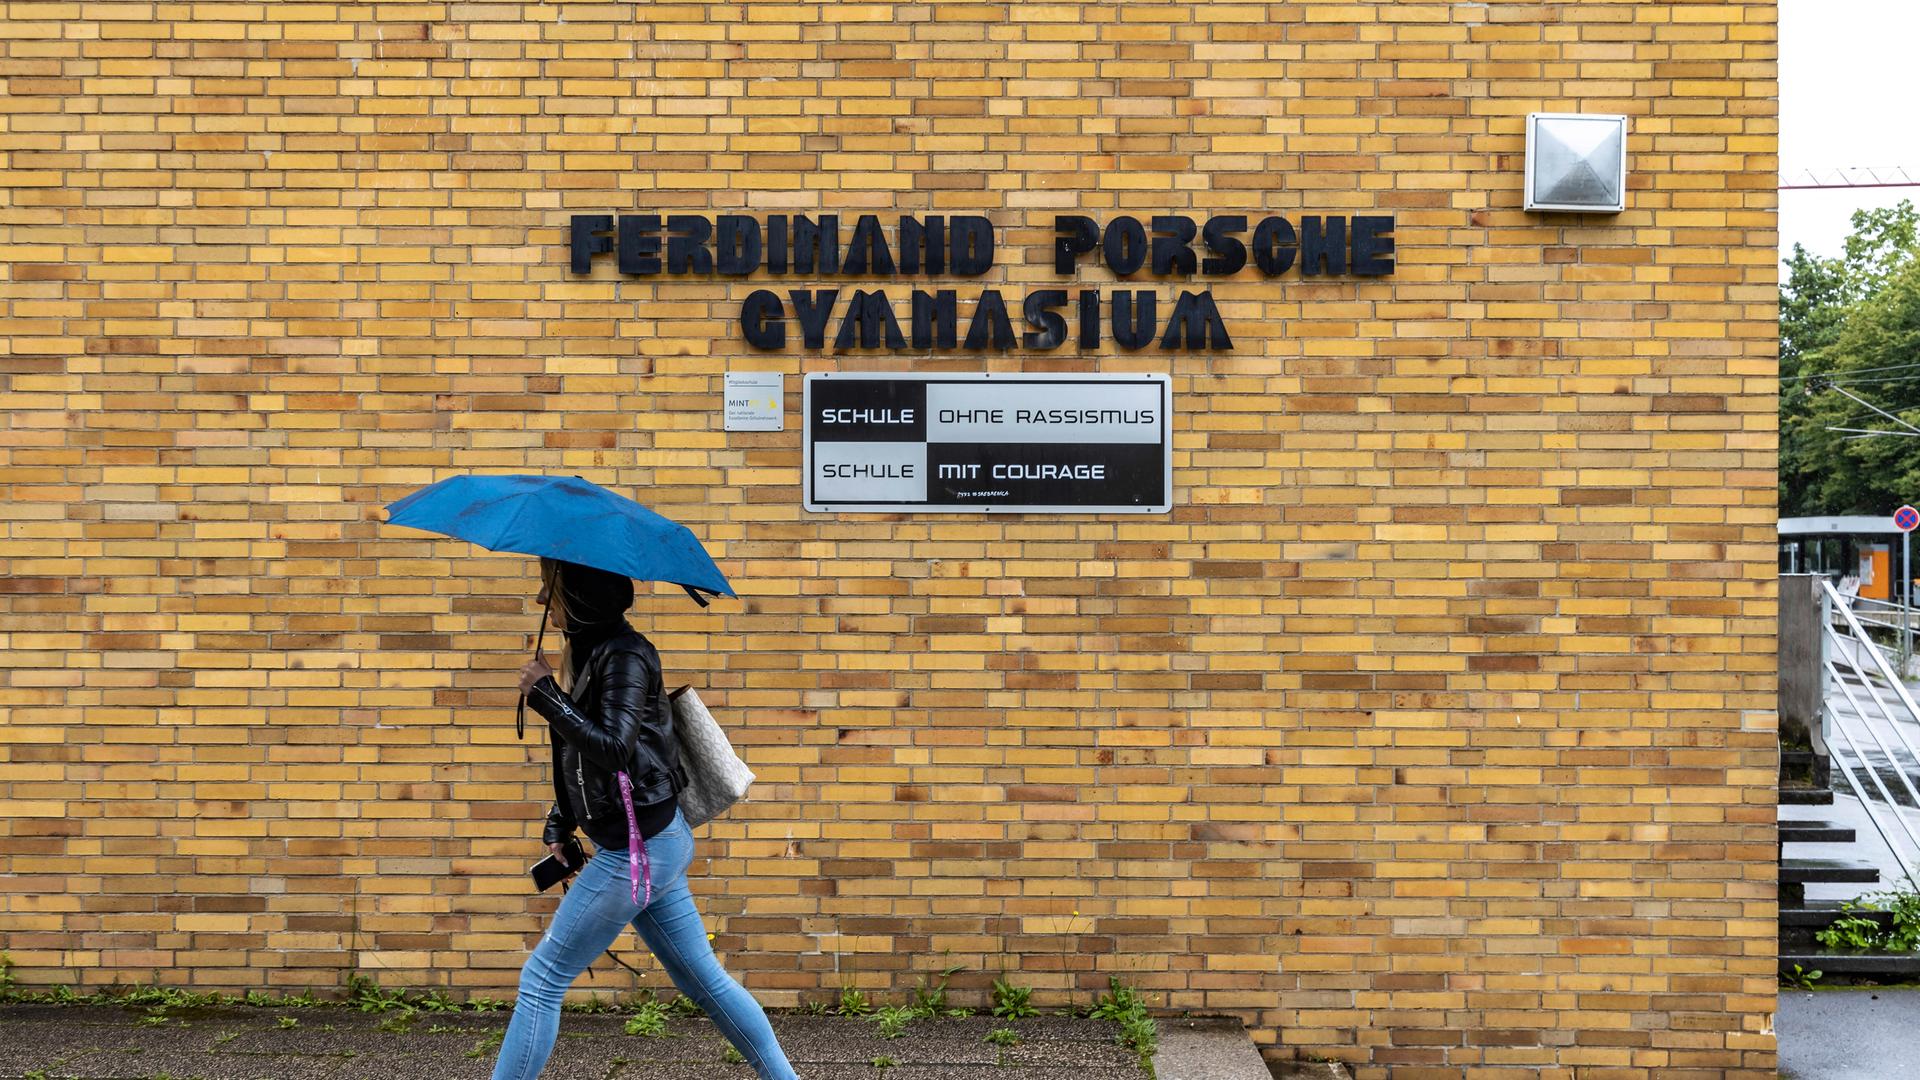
(616, 719)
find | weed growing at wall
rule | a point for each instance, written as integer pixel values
(1122, 1005)
(488, 1043)
(853, 1002)
(893, 1020)
(931, 1000)
(1800, 978)
(1012, 1002)
(649, 1020)
(361, 992)
(1856, 930)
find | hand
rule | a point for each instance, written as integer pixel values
(535, 670)
(560, 852)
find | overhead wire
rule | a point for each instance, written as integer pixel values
(1875, 381)
(1840, 375)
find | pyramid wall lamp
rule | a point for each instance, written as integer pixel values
(1576, 161)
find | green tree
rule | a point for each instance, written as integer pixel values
(1851, 322)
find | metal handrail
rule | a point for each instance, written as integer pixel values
(1886, 714)
(1832, 722)
(1860, 792)
(1859, 789)
(1886, 672)
(1865, 608)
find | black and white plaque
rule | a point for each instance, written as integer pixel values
(1082, 444)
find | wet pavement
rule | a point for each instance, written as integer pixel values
(112, 1042)
(1848, 1034)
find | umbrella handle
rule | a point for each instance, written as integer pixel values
(539, 645)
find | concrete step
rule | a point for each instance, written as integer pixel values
(1806, 767)
(1827, 871)
(1818, 913)
(1797, 874)
(1218, 1048)
(1854, 967)
(1806, 796)
(1815, 832)
(1798, 925)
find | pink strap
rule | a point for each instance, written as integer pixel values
(638, 866)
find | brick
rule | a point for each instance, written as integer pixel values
(1437, 539)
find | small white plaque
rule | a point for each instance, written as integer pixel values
(755, 401)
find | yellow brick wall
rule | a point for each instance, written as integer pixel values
(1432, 730)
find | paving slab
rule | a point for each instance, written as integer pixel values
(1848, 1034)
(321, 1035)
(644, 1071)
(128, 1033)
(45, 1051)
(839, 1039)
(66, 1014)
(418, 1059)
(603, 1058)
(141, 1065)
(975, 1072)
(248, 1043)
(640, 1050)
(1210, 1048)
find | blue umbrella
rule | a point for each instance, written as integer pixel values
(565, 518)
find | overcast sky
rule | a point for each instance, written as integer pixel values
(1847, 73)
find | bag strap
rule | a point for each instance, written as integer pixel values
(679, 772)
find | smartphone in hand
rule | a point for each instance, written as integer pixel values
(550, 871)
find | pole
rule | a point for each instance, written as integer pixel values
(1906, 605)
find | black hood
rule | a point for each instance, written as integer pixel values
(595, 601)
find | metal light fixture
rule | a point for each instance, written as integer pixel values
(1577, 161)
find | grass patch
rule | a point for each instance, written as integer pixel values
(930, 1000)
(368, 996)
(399, 1023)
(1012, 1002)
(1122, 1005)
(853, 1002)
(649, 1021)
(1800, 978)
(488, 1043)
(1855, 931)
(893, 1020)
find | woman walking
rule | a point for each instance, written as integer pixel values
(616, 769)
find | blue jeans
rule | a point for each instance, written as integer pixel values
(598, 905)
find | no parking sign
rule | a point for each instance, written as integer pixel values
(1905, 519)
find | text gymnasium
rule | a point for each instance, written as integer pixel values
(963, 245)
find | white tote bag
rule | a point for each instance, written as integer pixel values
(716, 777)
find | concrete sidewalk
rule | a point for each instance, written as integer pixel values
(110, 1042)
(1864, 1034)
